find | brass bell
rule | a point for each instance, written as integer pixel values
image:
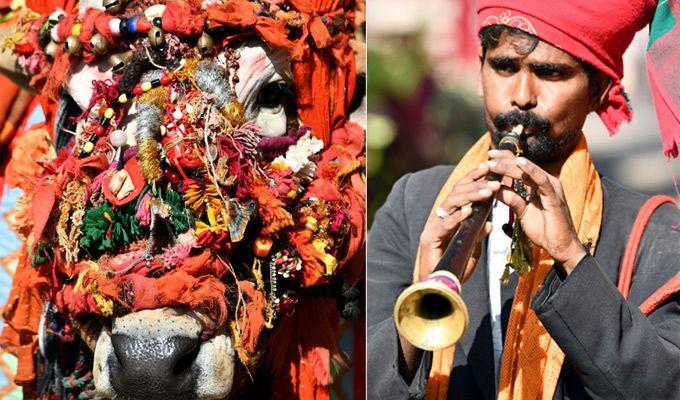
(114, 6)
(118, 61)
(51, 49)
(156, 37)
(72, 45)
(205, 44)
(99, 43)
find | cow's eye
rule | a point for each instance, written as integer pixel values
(273, 95)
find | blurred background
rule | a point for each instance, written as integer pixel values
(423, 59)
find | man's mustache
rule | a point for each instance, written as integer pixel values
(532, 122)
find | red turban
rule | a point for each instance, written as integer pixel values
(597, 32)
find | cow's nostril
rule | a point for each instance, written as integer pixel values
(153, 368)
(185, 362)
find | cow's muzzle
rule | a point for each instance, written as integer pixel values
(157, 354)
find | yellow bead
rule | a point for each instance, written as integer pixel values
(88, 147)
(146, 86)
(319, 245)
(75, 29)
(331, 264)
(311, 223)
(122, 98)
(108, 114)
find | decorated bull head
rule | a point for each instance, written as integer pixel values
(195, 219)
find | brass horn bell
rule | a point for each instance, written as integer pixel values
(431, 315)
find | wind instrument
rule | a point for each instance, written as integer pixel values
(431, 314)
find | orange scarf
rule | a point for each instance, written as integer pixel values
(528, 347)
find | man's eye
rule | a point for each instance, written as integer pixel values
(503, 67)
(549, 73)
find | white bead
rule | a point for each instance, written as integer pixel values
(114, 25)
(177, 114)
(54, 35)
(190, 109)
(212, 148)
(55, 15)
(118, 138)
(155, 11)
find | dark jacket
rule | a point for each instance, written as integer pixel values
(612, 350)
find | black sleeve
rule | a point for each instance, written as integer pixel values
(390, 263)
(617, 352)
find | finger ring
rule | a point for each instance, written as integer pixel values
(441, 213)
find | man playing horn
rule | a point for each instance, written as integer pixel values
(560, 328)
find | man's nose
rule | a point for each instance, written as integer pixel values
(524, 93)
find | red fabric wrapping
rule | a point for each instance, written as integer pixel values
(46, 7)
(15, 106)
(196, 285)
(46, 192)
(592, 31)
(667, 111)
(252, 325)
(325, 73)
(65, 26)
(271, 209)
(303, 371)
(314, 270)
(56, 76)
(242, 14)
(95, 21)
(22, 317)
(43, 202)
(183, 19)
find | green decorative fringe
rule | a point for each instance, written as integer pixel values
(181, 219)
(100, 235)
(519, 258)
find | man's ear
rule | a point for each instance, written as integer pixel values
(599, 89)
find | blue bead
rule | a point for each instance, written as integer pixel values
(132, 25)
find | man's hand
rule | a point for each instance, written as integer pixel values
(436, 236)
(544, 215)
(438, 231)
